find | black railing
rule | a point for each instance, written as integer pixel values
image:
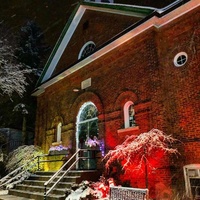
(39, 161)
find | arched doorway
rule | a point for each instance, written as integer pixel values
(87, 128)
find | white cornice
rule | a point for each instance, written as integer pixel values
(119, 12)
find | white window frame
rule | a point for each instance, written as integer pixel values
(126, 114)
(78, 119)
(178, 56)
(83, 48)
(58, 132)
(190, 171)
(79, 122)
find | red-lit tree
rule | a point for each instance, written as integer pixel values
(141, 152)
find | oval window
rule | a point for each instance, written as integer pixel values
(180, 59)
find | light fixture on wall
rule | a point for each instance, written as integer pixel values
(76, 90)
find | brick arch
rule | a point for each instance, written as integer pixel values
(89, 97)
(123, 98)
(83, 98)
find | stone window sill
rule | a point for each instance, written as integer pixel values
(132, 129)
(56, 143)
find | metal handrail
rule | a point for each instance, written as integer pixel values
(59, 171)
(47, 155)
(8, 178)
(11, 180)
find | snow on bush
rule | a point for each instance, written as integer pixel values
(138, 158)
(91, 190)
(21, 156)
(140, 149)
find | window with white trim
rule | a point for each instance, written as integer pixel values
(87, 49)
(87, 124)
(180, 59)
(58, 132)
(192, 180)
(129, 115)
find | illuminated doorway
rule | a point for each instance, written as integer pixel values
(87, 128)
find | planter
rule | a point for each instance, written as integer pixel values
(62, 152)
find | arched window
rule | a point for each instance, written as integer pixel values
(87, 124)
(87, 130)
(58, 132)
(87, 49)
(129, 114)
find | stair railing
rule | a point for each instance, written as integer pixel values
(18, 175)
(46, 192)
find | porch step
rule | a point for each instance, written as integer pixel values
(35, 195)
(33, 188)
(12, 197)
(41, 183)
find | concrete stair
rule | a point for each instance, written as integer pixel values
(33, 188)
(11, 197)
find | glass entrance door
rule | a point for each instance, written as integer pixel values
(87, 129)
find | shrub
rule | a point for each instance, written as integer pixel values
(23, 155)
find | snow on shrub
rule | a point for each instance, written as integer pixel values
(140, 154)
(91, 190)
(21, 156)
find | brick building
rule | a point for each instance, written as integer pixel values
(112, 59)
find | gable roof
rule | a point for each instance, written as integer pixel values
(96, 27)
(149, 18)
(74, 20)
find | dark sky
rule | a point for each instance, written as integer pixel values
(50, 15)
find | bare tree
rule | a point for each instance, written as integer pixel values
(12, 73)
(140, 150)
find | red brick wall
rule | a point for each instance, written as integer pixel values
(179, 96)
(142, 71)
(180, 86)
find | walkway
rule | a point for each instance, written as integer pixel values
(5, 196)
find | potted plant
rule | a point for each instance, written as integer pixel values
(92, 143)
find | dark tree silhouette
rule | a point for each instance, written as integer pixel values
(32, 48)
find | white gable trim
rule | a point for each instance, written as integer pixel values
(72, 29)
(120, 12)
(64, 43)
(153, 22)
